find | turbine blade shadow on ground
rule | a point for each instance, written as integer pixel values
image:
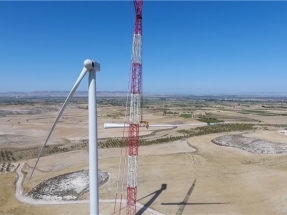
(155, 195)
(182, 206)
(186, 198)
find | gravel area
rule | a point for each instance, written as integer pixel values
(251, 144)
(69, 186)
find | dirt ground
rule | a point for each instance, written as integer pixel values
(33, 128)
(228, 181)
(212, 179)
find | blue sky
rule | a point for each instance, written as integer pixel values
(188, 47)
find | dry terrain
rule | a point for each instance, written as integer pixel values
(184, 176)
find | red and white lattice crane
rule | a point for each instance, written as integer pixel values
(135, 111)
(135, 119)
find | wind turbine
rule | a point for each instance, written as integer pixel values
(92, 67)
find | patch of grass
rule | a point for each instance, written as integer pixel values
(259, 112)
(210, 120)
(186, 115)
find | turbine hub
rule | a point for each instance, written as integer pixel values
(91, 65)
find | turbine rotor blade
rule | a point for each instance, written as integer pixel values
(81, 76)
(122, 125)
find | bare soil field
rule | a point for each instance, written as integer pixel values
(193, 176)
(228, 180)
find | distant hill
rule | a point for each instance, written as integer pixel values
(41, 94)
(53, 94)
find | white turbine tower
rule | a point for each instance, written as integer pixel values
(91, 67)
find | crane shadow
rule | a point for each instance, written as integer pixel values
(186, 198)
(155, 195)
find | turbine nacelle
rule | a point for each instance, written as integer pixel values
(92, 65)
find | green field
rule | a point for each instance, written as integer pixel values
(209, 120)
(186, 115)
(259, 112)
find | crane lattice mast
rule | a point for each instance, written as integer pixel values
(135, 111)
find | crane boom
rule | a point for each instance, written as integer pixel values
(135, 110)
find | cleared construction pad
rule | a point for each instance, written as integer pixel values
(251, 144)
(69, 186)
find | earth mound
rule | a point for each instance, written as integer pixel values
(251, 144)
(69, 186)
